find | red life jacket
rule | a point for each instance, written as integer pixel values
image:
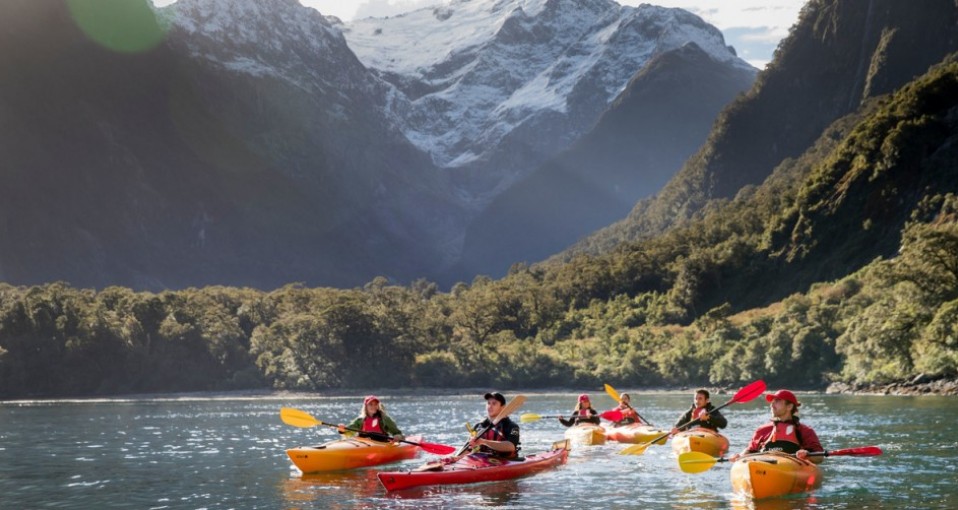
(784, 431)
(698, 411)
(784, 437)
(492, 434)
(373, 424)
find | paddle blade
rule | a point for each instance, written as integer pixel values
(636, 449)
(510, 408)
(749, 392)
(696, 462)
(529, 417)
(862, 451)
(436, 448)
(613, 415)
(298, 418)
(609, 390)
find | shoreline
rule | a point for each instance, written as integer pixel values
(921, 385)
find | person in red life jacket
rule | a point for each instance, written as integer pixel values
(784, 433)
(702, 412)
(629, 415)
(502, 439)
(583, 413)
(374, 422)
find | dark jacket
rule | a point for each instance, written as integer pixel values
(505, 430)
(588, 417)
(716, 420)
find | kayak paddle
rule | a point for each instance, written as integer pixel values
(507, 409)
(618, 398)
(302, 419)
(613, 415)
(697, 462)
(743, 395)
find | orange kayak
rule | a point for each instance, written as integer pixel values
(635, 433)
(350, 453)
(772, 474)
(702, 440)
(585, 434)
(473, 468)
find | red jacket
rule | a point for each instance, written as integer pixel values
(808, 438)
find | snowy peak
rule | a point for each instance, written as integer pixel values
(483, 77)
(258, 37)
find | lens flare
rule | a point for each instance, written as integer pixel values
(124, 26)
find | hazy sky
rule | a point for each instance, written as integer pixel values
(753, 27)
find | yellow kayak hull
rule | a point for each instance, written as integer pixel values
(636, 434)
(585, 435)
(700, 440)
(769, 475)
(350, 453)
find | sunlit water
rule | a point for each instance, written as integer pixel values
(222, 453)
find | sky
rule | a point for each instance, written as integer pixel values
(753, 27)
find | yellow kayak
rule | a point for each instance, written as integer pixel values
(586, 434)
(771, 474)
(635, 434)
(350, 453)
(700, 439)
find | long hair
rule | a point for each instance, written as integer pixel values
(362, 411)
(578, 407)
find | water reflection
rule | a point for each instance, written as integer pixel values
(333, 490)
(226, 454)
(492, 494)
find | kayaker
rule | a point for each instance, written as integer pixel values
(582, 413)
(502, 439)
(629, 415)
(784, 432)
(701, 414)
(373, 418)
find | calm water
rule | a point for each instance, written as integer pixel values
(222, 453)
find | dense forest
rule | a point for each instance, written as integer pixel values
(727, 298)
(841, 266)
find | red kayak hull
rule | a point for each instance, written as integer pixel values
(472, 468)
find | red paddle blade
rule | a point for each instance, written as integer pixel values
(749, 392)
(861, 451)
(612, 415)
(436, 448)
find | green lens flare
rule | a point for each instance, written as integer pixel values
(125, 26)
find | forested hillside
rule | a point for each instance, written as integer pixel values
(667, 311)
(840, 266)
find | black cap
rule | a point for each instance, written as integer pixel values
(496, 395)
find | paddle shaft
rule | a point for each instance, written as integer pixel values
(743, 395)
(609, 390)
(864, 451)
(514, 404)
(368, 433)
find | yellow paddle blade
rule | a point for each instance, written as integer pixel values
(612, 393)
(696, 462)
(298, 418)
(529, 417)
(471, 429)
(636, 449)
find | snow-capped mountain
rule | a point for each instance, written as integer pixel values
(280, 38)
(259, 142)
(494, 87)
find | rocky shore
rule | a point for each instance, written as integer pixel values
(920, 385)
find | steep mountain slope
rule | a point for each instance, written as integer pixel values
(494, 88)
(660, 119)
(196, 163)
(838, 54)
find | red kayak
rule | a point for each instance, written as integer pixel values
(473, 468)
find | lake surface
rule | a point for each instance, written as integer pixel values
(228, 453)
